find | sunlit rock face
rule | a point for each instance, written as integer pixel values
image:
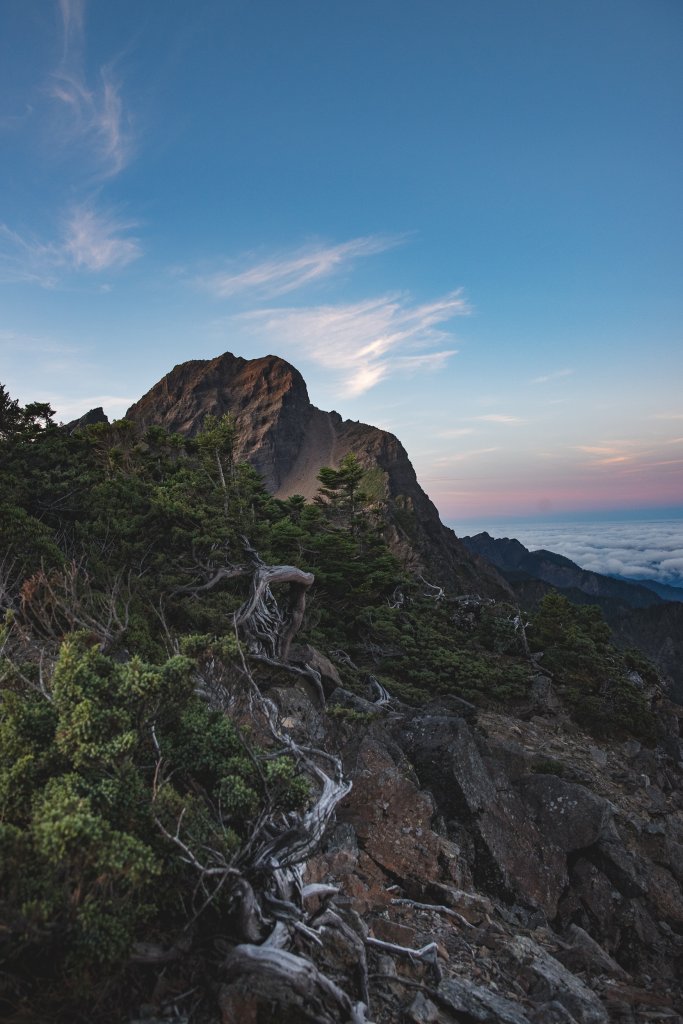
(287, 440)
(267, 397)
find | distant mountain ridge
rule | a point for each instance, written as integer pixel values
(664, 590)
(516, 561)
(638, 616)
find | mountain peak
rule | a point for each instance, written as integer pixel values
(288, 440)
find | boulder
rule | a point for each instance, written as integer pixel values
(307, 655)
(548, 981)
(584, 954)
(391, 815)
(479, 1004)
(512, 855)
(570, 815)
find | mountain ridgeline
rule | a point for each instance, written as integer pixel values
(287, 440)
(646, 616)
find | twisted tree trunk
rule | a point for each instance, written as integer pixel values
(268, 630)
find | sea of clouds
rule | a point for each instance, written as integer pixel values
(639, 550)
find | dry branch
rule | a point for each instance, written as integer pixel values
(292, 981)
(428, 954)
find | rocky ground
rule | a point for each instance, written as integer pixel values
(492, 868)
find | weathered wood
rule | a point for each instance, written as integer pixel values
(264, 879)
(428, 953)
(291, 981)
(268, 630)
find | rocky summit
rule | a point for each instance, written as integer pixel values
(287, 440)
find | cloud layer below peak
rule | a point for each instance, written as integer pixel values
(638, 550)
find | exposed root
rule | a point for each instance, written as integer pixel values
(428, 954)
(292, 981)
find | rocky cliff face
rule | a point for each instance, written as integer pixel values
(287, 440)
(267, 397)
(497, 868)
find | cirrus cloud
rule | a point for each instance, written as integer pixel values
(91, 239)
(289, 271)
(499, 417)
(364, 342)
(95, 120)
(557, 375)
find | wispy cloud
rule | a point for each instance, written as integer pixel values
(73, 16)
(597, 449)
(97, 240)
(630, 457)
(446, 460)
(607, 453)
(456, 432)
(90, 239)
(12, 341)
(289, 271)
(95, 113)
(551, 376)
(13, 122)
(499, 417)
(24, 258)
(90, 126)
(364, 342)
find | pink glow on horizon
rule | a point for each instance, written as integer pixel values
(531, 498)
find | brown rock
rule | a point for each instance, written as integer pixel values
(287, 440)
(311, 656)
(237, 1005)
(512, 854)
(391, 816)
(393, 931)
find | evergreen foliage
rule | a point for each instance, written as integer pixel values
(107, 536)
(598, 682)
(89, 774)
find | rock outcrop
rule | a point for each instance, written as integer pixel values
(486, 889)
(287, 440)
(88, 419)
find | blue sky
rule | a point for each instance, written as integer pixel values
(460, 220)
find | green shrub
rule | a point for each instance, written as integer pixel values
(89, 778)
